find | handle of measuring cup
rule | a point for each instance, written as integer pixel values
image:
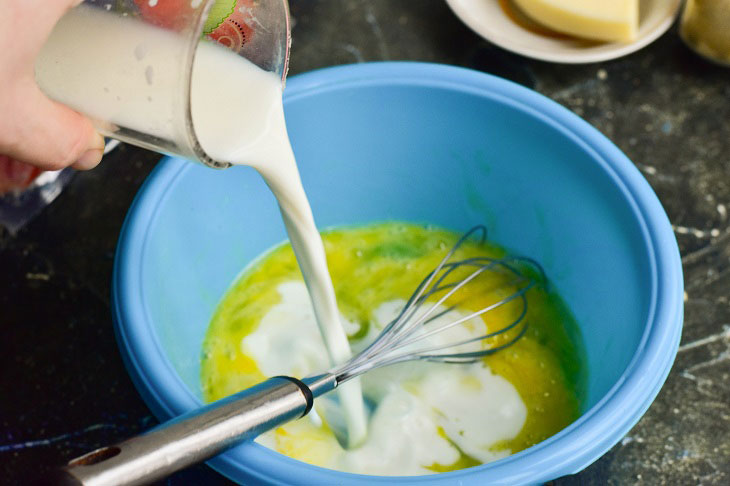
(193, 437)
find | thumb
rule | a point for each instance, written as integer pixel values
(50, 135)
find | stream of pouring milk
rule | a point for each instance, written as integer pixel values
(223, 85)
(238, 116)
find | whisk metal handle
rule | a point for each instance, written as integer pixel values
(194, 437)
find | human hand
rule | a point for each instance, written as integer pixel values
(34, 129)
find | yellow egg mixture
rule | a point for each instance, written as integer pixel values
(426, 417)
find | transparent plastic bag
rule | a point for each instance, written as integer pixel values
(18, 206)
(25, 191)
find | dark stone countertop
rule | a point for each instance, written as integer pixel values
(64, 389)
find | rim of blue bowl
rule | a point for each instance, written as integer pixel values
(567, 452)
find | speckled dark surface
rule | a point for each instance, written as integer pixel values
(64, 389)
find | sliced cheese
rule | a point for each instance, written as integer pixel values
(606, 20)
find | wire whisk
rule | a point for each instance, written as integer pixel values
(422, 316)
(437, 307)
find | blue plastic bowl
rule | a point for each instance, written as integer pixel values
(422, 143)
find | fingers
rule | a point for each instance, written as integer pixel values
(14, 175)
(89, 159)
(48, 134)
(34, 129)
(28, 23)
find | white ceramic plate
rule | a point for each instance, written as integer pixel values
(490, 20)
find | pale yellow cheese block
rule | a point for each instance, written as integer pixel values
(606, 20)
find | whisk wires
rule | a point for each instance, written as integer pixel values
(437, 306)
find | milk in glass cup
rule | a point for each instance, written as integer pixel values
(128, 64)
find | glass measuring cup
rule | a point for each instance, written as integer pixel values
(127, 64)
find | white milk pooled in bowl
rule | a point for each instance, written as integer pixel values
(426, 417)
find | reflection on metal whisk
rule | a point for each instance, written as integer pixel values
(413, 335)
